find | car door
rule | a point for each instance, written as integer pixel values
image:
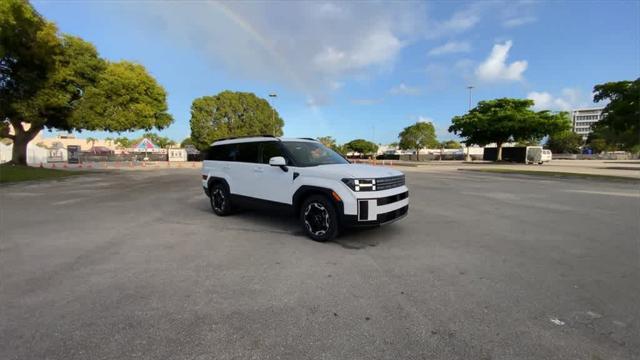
(273, 183)
(244, 156)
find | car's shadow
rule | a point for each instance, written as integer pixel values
(286, 223)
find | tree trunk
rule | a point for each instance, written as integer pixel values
(499, 157)
(417, 154)
(21, 139)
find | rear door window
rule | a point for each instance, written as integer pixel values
(247, 152)
(269, 149)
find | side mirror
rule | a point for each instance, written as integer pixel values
(279, 161)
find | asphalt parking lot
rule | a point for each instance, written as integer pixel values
(135, 265)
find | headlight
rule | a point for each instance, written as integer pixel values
(361, 184)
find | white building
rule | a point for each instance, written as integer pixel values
(583, 119)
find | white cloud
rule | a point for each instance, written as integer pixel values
(306, 46)
(495, 67)
(404, 89)
(380, 47)
(457, 23)
(450, 48)
(569, 99)
(518, 21)
(425, 119)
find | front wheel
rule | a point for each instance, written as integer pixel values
(220, 200)
(319, 219)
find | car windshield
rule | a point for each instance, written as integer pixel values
(307, 153)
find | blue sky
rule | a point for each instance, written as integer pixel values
(365, 69)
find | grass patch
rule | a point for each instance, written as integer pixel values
(11, 173)
(556, 174)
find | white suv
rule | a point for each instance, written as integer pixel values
(322, 188)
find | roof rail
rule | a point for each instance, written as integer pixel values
(244, 136)
(307, 138)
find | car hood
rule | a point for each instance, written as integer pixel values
(359, 171)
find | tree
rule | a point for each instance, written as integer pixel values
(328, 141)
(186, 142)
(57, 81)
(232, 114)
(161, 141)
(418, 136)
(362, 146)
(566, 142)
(620, 126)
(451, 144)
(92, 141)
(504, 120)
(123, 142)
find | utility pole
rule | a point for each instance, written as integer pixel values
(470, 87)
(273, 113)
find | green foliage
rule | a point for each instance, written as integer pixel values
(361, 146)
(450, 144)
(620, 126)
(158, 140)
(328, 141)
(16, 173)
(123, 142)
(232, 114)
(27, 60)
(599, 145)
(503, 120)
(566, 142)
(418, 136)
(124, 98)
(92, 141)
(186, 142)
(59, 81)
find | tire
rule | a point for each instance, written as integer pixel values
(219, 199)
(318, 218)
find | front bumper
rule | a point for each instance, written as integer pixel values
(372, 211)
(382, 219)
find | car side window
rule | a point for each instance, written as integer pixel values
(247, 152)
(269, 149)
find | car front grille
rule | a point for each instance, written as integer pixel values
(389, 182)
(393, 215)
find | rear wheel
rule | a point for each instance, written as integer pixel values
(318, 218)
(220, 200)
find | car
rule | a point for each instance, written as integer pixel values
(546, 156)
(300, 175)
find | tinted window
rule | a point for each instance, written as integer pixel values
(247, 152)
(222, 153)
(269, 149)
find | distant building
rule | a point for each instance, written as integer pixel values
(583, 119)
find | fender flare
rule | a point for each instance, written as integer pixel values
(214, 180)
(305, 190)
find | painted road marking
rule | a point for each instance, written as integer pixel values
(605, 193)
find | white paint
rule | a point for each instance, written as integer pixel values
(636, 195)
(70, 201)
(557, 321)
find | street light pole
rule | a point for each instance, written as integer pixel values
(273, 113)
(470, 87)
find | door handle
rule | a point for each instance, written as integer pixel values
(258, 170)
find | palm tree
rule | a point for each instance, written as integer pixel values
(92, 141)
